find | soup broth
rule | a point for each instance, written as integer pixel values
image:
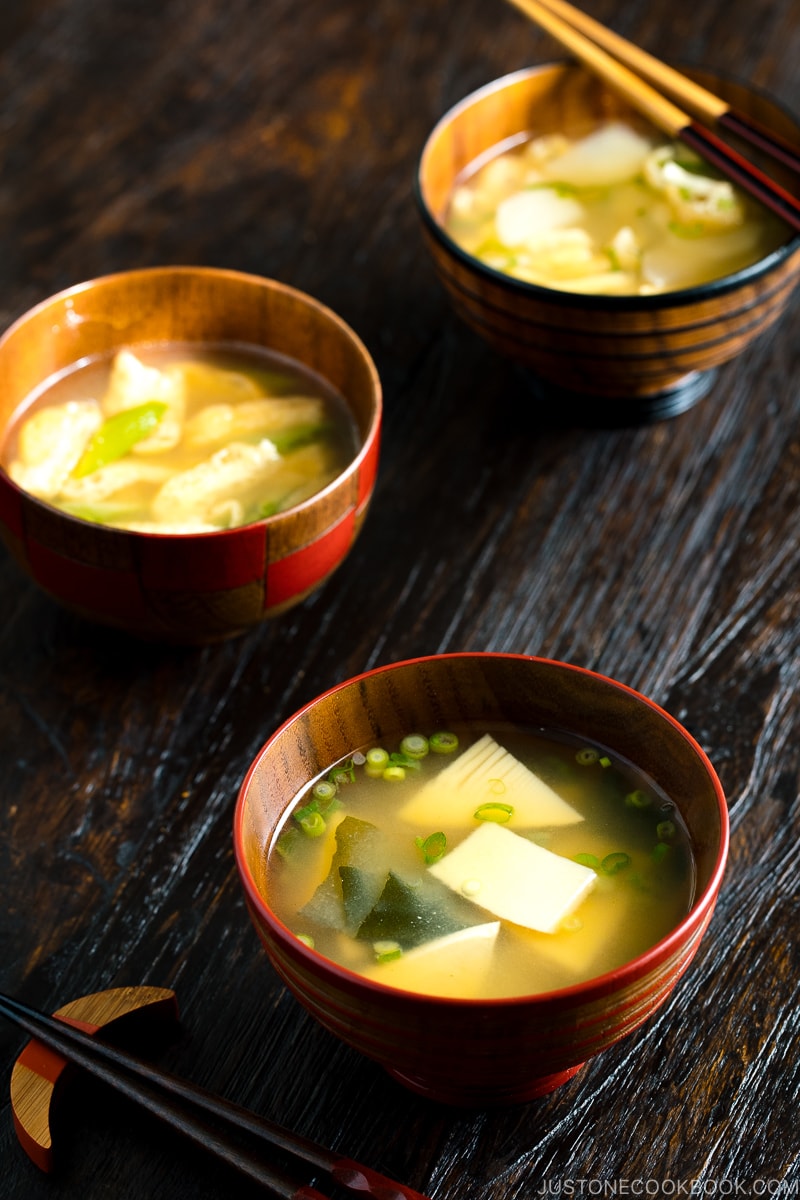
(481, 863)
(615, 212)
(178, 438)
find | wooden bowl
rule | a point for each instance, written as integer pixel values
(479, 1052)
(188, 587)
(608, 359)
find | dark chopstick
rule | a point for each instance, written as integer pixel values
(180, 1105)
(697, 99)
(664, 113)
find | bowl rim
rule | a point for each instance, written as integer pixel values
(679, 297)
(586, 991)
(187, 270)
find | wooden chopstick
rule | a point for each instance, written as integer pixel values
(697, 99)
(666, 115)
(209, 1121)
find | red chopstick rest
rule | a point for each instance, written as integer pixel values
(38, 1074)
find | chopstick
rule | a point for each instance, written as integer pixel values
(183, 1106)
(697, 99)
(666, 115)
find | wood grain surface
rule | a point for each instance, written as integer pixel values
(282, 139)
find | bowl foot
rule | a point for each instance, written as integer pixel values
(564, 407)
(485, 1095)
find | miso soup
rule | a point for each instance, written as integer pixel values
(481, 863)
(175, 438)
(617, 212)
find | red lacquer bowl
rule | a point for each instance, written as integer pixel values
(190, 587)
(481, 1052)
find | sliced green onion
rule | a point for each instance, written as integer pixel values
(587, 756)
(432, 847)
(305, 811)
(394, 774)
(415, 745)
(618, 861)
(665, 830)
(118, 435)
(399, 759)
(638, 799)
(443, 742)
(344, 773)
(306, 939)
(493, 810)
(324, 792)
(387, 951)
(660, 851)
(287, 842)
(686, 229)
(312, 824)
(605, 761)
(588, 860)
(497, 787)
(376, 761)
(297, 436)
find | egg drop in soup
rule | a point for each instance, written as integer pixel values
(176, 438)
(616, 212)
(481, 863)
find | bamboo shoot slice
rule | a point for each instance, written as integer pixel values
(483, 773)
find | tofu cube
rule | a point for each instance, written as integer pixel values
(454, 965)
(515, 879)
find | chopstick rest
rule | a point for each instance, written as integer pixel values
(216, 1125)
(39, 1071)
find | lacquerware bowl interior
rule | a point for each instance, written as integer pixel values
(180, 587)
(602, 359)
(472, 1051)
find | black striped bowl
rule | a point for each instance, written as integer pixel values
(608, 359)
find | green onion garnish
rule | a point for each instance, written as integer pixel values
(376, 762)
(493, 810)
(638, 799)
(394, 773)
(386, 951)
(399, 759)
(432, 847)
(269, 508)
(588, 860)
(312, 824)
(287, 842)
(660, 851)
(306, 939)
(618, 861)
(415, 745)
(297, 436)
(324, 792)
(665, 830)
(443, 742)
(118, 435)
(344, 773)
(605, 761)
(587, 756)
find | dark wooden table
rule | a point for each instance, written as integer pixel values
(280, 138)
